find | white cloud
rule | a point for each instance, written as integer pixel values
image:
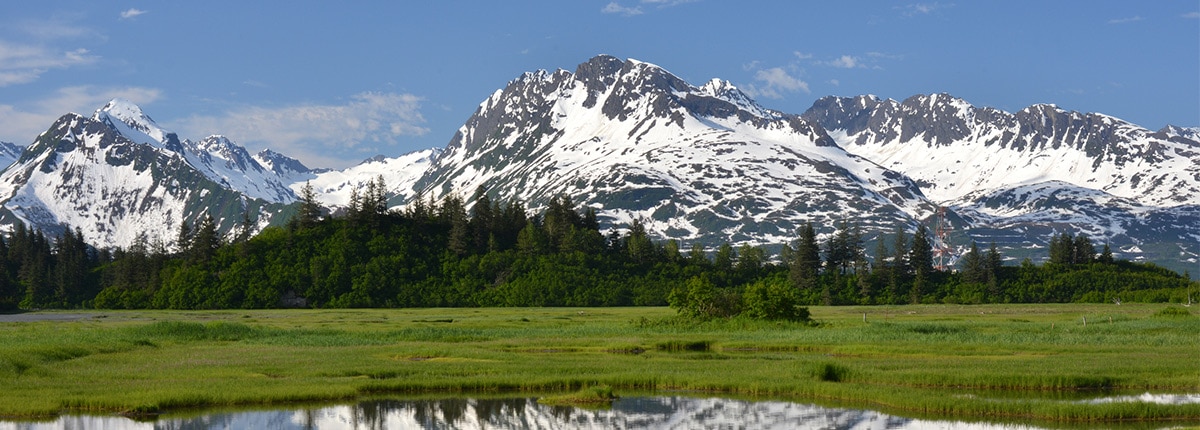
(801, 55)
(667, 3)
(132, 13)
(614, 7)
(835, 82)
(21, 123)
(922, 8)
(775, 81)
(1125, 20)
(1191, 15)
(846, 62)
(317, 133)
(20, 64)
(884, 55)
(617, 8)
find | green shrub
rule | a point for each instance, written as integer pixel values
(1173, 312)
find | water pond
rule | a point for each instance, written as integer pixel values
(654, 412)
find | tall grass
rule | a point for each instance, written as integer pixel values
(909, 360)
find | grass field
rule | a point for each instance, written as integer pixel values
(991, 361)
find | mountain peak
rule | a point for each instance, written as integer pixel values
(122, 108)
(599, 66)
(128, 119)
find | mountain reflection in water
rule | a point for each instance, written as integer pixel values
(526, 413)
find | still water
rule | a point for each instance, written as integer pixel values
(665, 412)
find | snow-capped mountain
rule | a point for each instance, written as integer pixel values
(1189, 133)
(215, 156)
(955, 149)
(334, 187)
(118, 176)
(87, 174)
(1034, 172)
(693, 163)
(9, 153)
(703, 164)
(287, 168)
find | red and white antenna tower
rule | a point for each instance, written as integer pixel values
(942, 252)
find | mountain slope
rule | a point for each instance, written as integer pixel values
(87, 174)
(955, 149)
(693, 163)
(9, 153)
(334, 187)
(1020, 177)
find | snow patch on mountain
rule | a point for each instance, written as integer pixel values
(127, 119)
(333, 188)
(234, 168)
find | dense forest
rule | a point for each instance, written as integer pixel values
(497, 254)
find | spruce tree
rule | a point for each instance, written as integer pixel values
(920, 260)
(807, 263)
(310, 211)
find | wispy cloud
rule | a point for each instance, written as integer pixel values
(21, 64)
(773, 83)
(616, 8)
(667, 3)
(802, 55)
(1125, 20)
(915, 9)
(846, 62)
(20, 123)
(1191, 15)
(317, 133)
(132, 13)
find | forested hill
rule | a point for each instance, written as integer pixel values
(499, 255)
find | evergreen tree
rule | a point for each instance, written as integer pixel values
(483, 221)
(725, 257)
(183, 239)
(920, 261)
(750, 261)
(1084, 251)
(696, 256)
(310, 211)
(245, 228)
(1062, 249)
(992, 262)
(205, 241)
(672, 251)
(454, 214)
(532, 240)
(898, 273)
(843, 248)
(806, 266)
(1106, 256)
(973, 270)
(71, 268)
(863, 281)
(641, 249)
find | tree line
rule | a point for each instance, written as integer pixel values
(439, 253)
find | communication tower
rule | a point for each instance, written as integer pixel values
(942, 252)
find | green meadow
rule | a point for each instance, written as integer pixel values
(1008, 362)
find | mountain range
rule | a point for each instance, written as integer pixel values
(701, 164)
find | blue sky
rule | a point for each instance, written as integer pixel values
(332, 83)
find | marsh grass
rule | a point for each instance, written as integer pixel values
(591, 397)
(912, 360)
